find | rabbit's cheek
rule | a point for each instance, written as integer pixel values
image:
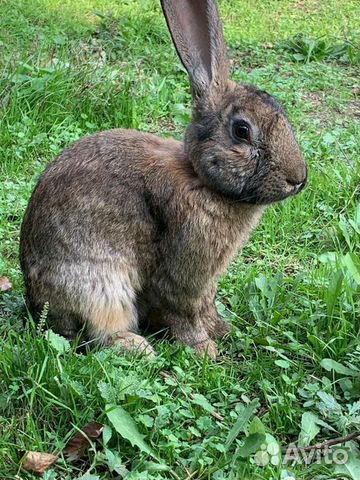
(245, 159)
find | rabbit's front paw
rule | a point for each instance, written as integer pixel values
(133, 342)
(206, 348)
(218, 328)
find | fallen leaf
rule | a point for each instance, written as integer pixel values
(356, 91)
(5, 284)
(38, 462)
(80, 442)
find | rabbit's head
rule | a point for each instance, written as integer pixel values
(240, 141)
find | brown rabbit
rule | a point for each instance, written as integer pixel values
(126, 227)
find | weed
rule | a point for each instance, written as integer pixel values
(301, 48)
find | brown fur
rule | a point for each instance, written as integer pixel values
(126, 228)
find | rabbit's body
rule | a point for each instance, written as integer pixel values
(125, 228)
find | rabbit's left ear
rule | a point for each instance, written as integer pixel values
(197, 33)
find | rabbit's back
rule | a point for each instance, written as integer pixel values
(92, 193)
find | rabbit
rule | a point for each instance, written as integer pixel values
(125, 228)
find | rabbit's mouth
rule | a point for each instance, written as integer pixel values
(294, 187)
(270, 190)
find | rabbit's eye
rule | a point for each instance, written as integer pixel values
(241, 130)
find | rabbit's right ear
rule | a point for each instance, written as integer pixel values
(197, 33)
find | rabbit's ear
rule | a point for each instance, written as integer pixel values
(197, 33)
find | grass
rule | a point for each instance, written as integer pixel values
(289, 370)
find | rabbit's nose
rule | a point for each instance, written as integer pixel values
(298, 185)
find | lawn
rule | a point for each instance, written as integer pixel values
(288, 373)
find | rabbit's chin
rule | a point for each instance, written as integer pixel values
(268, 195)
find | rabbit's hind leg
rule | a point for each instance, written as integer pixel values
(132, 342)
(97, 300)
(112, 316)
(113, 324)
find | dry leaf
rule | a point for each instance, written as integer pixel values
(38, 462)
(77, 445)
(356, 91)
(5, 284)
